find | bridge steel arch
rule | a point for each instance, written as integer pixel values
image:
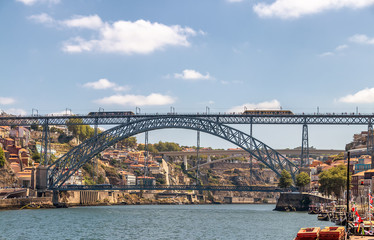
(63, 168)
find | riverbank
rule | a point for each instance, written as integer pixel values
(296, 201)
(107, 198)
(26, 203)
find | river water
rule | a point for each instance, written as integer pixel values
(156, 222)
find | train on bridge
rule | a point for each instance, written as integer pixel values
(114, 113)
(268, 112)
(246, 112)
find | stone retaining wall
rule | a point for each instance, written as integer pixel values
(298, 201)
(16, 203)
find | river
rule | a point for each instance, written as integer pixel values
(156, 222)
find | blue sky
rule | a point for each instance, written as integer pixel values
(221, 54)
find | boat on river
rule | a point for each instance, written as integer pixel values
(313, 209)
(323, 216)
(30, 206)
(328, 233)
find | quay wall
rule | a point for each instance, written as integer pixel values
(84, 198)
(290, 201)
(17, 203)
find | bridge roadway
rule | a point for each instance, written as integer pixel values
(224, 118)
(243, 152)
(174, 187)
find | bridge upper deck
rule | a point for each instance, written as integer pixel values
(224, 118)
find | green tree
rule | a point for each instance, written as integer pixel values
(302, 179)
(333, 181)
(337, 157)
(151, 148)
(129, 142)
(2, 158)
(82, 132)
(285, 180)
(36, 157)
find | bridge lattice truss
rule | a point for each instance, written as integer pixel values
(67, 165)
(220, 118)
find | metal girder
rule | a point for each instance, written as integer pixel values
(370, 139)
(45, 145)
(65, 167)
(304, 158)
(215, 161)
(321, 119)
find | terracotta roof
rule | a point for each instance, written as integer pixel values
(146, 177)
(358, 174)
(137, 165)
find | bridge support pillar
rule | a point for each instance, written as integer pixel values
(185, 162)
(304, 158)
(95, 160)
(250, 157)
(44, 148)
(197, 157)
(370, 143)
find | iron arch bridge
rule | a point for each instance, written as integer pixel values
(67, 165)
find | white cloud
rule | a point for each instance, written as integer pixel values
(126, 37)
(139, 37)
(326, 54)
(6, 101)
(296, 8)
(42, 18)
(100, 84)
(104, 83)
(337, 51)
(154, 99)
(363, 96)
(269, 105)
(121, 88)
(32, 2)
(341, 47)
(15, 111)
(362, 39)
(234, 1)
(189, 74)
(90, 22)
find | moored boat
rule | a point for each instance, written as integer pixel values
(332, 233)
(313, 209)
(308, 233)
(323, 216)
